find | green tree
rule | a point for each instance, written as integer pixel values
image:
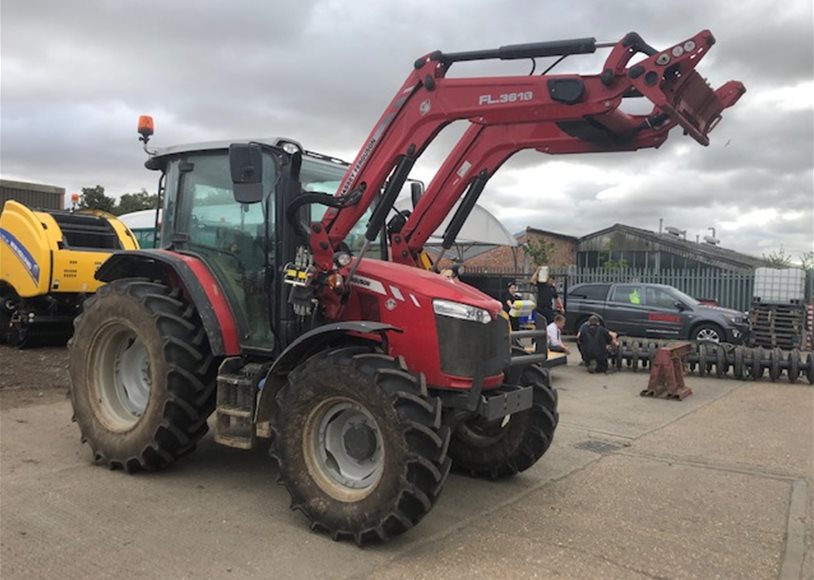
(130, 202)
(807, 261)
(605, 260)
(615, 264)
(778, 258)
(95, 198)
(539, 251)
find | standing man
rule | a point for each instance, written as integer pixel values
(554, 332)
(547, 298)
(593, 340)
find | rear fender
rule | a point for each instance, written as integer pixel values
(309, 344)
(190, 275)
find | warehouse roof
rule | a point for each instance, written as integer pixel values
(699, 251)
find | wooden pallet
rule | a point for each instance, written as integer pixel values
(779, 325)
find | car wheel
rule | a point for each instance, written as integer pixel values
(708, 332)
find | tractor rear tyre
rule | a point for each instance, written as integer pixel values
(142, 375)
(507, 446)
(360, 444)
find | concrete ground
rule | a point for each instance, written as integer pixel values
(720, 485)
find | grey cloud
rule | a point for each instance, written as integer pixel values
(76, 74)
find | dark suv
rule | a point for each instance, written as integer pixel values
(656, 311)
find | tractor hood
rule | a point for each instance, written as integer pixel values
(399, 281)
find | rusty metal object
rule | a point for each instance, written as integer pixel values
(667, 372)
(712, 359)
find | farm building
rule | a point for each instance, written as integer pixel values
(562, 252)
(35, 195)
(622, 245)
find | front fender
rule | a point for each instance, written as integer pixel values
(309, 344)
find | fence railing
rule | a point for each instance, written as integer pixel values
(728, 289)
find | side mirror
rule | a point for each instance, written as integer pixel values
(246, 167)
(416, 191)
(680, 306)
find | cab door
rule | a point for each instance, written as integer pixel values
(230, 238)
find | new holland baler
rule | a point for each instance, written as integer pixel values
(48, 259)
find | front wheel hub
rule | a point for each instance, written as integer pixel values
(360, 441)
(344, 449)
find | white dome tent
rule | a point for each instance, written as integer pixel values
(481, 229)
(142, 224)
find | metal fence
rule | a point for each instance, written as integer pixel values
(728, 289)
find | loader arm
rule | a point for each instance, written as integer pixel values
(555, 114)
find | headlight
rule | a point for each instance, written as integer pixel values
(462, 311)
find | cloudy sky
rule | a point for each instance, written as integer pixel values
(76, 75)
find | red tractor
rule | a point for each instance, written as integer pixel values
(279, 301)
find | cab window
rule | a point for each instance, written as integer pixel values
(324, 177)
(230, 238)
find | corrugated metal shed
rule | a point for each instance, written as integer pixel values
(34, 195)
(622, 238)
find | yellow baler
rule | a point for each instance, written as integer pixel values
(47, 264)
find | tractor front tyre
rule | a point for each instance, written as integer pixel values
(507, 446)
(359, 444)
(142, 375)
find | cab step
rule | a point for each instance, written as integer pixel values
(238, 384)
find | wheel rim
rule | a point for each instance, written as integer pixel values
(344, 449)
(708, 334)
(122, 376)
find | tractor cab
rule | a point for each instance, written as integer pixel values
(245, 245)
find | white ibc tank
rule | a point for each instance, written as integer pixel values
(779, 286)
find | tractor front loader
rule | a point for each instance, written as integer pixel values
(286, 297)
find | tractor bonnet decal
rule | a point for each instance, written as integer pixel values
(369, 284)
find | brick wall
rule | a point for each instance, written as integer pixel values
(564, 253)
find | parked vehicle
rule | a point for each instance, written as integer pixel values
(656, 311)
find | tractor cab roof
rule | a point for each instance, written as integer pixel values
(159, 159)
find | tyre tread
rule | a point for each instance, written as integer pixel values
(426, 465)
(536, 441)
(190, 377)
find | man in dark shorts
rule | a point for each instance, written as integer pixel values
(593, 340)
(547, 299)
